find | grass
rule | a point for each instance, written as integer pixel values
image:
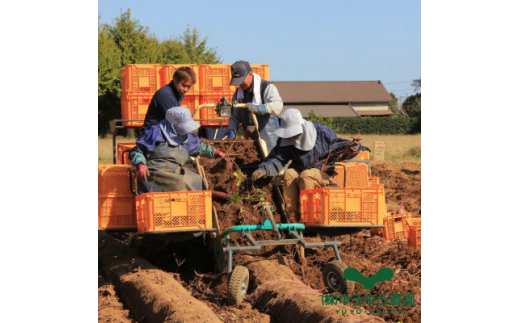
(105, 147)
(397, 147)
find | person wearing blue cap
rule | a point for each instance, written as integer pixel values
(162, 151)
(312, 148)
(264, 99)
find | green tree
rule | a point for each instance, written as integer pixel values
(393, 104)
(196, 48)
(137, 45)
(172, 51)
(412, 105)
(416, 85)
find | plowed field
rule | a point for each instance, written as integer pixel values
(161, 279)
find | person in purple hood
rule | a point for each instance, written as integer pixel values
(162, 151)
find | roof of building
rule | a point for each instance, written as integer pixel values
(329, 110)
(332, 91)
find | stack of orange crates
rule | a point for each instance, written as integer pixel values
(414, 232)
(359, 200)
(116, 202)
(343, 206)
(396, 226)
(139, 82)
(174, 211)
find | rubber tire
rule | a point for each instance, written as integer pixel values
(334, 280)
(236, 290)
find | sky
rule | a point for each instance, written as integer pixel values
(335, 40)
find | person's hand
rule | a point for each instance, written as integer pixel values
(330, 170)
(231, 134)
(142, 171)
(351, 150)
(260, 109)
(220, 154)
(257, 174)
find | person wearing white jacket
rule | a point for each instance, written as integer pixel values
(264, 99)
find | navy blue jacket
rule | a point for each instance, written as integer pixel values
(165, 98)
(326, 140)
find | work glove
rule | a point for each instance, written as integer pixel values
(257, 174)
(220, 154)
(260, 109)
(142, 171)
(231, 134)
(351, 150)
(331, 171)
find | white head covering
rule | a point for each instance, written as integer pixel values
(181, 120)
(177, 125)
(293, 124)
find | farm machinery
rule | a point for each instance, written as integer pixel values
(353, 203)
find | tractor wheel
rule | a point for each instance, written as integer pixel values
(334, 280)
(237, 285)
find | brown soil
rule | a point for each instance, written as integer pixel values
(281, 288)
(110, 308)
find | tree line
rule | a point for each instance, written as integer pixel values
(124, 42)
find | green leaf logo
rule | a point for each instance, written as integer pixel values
(382, 275)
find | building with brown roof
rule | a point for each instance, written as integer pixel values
(336, 98)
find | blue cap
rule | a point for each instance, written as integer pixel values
(239, 72)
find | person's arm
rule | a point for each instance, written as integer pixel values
(275, 161)
(272, 100)
(145, 144)
(234, 119)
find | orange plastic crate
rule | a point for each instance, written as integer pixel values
(396, 227)
(260, 69)
(116, 212)
(373, 180)
(174, 211)
(214, 80)
(210, 113)
(123, 153)
(115, 179)
(191, 102)
(168, 70)
(134, 107)
(365, 155)
(414, 232)
(140, 79)
(343, 206)
(351, 174)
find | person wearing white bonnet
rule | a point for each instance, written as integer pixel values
(312, 148)
(163, 151)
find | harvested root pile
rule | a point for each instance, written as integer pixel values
(232, 176)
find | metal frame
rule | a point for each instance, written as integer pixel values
(292, 229)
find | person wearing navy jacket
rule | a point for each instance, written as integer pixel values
(312, 149)
(170, 95)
